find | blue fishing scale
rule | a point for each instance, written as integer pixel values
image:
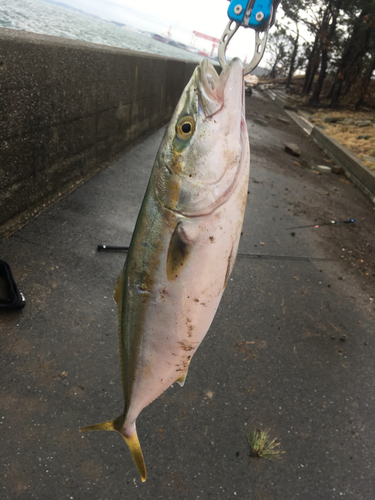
(253, 14)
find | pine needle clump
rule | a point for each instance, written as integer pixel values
(263, 447)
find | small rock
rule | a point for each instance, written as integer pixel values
(320, 125)
(268, 116)
(368, 158)
(283, 120)
(63, 375)
(331, 119)
(343, 337)
(365, 137)
(292, 149)
(259, 121)
(364, 123)
(324, 169)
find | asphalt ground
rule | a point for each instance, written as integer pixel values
(291, 348)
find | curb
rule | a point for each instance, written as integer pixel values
(292, 112)
(354, 169)
(361, 176)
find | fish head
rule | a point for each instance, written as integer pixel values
(205, 142)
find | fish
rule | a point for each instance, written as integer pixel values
(184, 244)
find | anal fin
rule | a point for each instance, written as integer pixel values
(181, 379)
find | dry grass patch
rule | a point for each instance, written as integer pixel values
(346, 131)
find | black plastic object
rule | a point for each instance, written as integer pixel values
(14, 299)
(101, 248)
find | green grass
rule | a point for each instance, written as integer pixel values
(263, 447)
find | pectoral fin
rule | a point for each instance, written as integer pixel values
(130, 437)
(179, 251)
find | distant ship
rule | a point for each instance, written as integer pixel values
(169, 41)
(159, 38)
(179, 45)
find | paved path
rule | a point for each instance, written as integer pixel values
(291, 348)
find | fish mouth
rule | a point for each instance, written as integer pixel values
(216, 91)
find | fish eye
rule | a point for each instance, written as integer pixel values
(185, 127)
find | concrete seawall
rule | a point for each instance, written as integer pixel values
(69, 108)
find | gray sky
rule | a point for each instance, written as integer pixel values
(205, 16)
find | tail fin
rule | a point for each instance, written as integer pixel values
(132, 441)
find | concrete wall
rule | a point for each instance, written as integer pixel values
(67, 109)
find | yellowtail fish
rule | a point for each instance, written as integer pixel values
(184, 244)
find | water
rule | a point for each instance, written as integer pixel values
(41, 17)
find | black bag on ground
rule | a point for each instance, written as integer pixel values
(14, 298)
